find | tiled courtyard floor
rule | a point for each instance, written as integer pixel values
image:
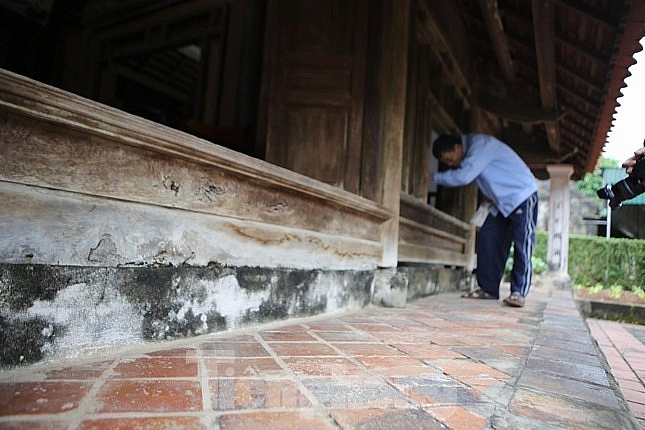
(624, 347)
(442, 362)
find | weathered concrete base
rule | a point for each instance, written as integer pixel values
(633, 314)
(390, 288)
(559, 279)
(395, 287)
(57, 312)
(64, 311)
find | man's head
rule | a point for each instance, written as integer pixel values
(448, 149)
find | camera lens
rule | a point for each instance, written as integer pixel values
(628, 188)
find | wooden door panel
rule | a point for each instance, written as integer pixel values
(316, 88)
(314, 134)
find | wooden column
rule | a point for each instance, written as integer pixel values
(394, 49)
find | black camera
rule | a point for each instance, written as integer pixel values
(628, 188)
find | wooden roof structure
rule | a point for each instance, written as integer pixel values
(556, 68)
(548, 73)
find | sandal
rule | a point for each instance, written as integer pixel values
(478, 294)
(515, 300)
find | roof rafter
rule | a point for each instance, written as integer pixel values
(543, 28)
(490, 11)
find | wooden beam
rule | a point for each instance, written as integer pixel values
(508, 108)
(543, 28)
(490, 10)
(590, 13)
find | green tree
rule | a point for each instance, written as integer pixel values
(593, 181)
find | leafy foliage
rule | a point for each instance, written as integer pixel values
(593, 181)
(597, 262)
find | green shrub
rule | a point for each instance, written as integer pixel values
(597, 261)
(538, 259)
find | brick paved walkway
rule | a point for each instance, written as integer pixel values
(442, 362)
(623, 346)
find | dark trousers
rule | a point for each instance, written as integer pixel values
(494, 240)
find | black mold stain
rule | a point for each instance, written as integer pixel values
(27, 283)
(254, 278)
(21, 342)
(159, 293)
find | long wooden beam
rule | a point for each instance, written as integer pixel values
(490, 10)
(543, 28)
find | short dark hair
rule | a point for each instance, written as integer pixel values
(444, 143)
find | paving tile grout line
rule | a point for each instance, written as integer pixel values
(207, 401)
(318, 409)
(87, 403)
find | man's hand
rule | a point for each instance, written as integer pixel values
(631, 161)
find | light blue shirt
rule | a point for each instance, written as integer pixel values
(499, 173)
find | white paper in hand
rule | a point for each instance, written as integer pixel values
(480, 216)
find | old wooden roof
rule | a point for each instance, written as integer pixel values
(551, 71)
(548, 73)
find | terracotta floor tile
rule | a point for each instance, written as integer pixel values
(432, 389)
(376, 363)
(149, 396)
(637, 408)
(395, 371)
(232, 393)
(375, 327)
(390, 337)
(157, 367)
(464, 368)
(330, 326)
(233, 349)
(45, 397)
(175, 352)
(223, 367)
(313, 366)
(633, 396)
(481, 385)
(80, 371)
(275, 421)
(456, 417)
(285, 336)
(368, 349)
(356, 393)
(240, 338)
(153, 423)
(346, 336)
(426, 351)
(301, 349)
(631, 384)
(385, 419)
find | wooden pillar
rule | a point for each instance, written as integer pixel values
(394, 49)
(557, 254)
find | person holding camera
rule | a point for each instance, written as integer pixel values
(630, 187)
(631, 161)
(510, 190)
